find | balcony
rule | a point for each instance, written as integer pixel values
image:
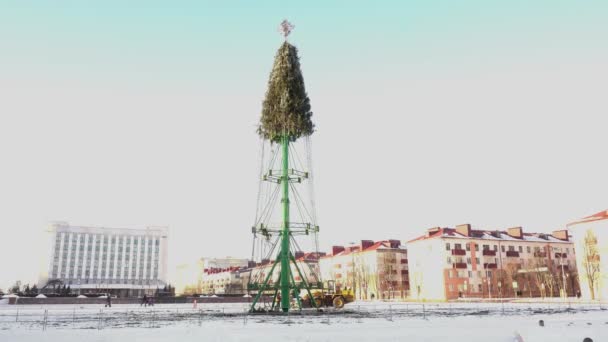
(489, 266)
(488, 252)
(512, 254)
(459, 265)
(459, 252)
(560, 255)
(540, 254)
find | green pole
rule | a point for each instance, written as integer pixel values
(285, 270)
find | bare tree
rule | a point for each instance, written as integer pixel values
(510, 272)
(387, 273)
(535, 269)
(549, 280)
(591, 261)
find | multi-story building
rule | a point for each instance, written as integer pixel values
(223, 276)
(590, 236)
(306, 267)
(120, 261)
(448, 263)
(372, 269)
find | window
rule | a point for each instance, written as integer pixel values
(528, 249)
(470, 274)
(469, 261)
(511, 248)
(468, 247)
(447, 246)
(521, 249)
(451, 287)
(479, 288)
(457, 246)
(495, 248)
(477, 261)
(502, 248)
(476, 247)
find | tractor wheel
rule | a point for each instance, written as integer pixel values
(339, 302)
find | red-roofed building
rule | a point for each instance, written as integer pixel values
(375, 270)
(460, 262)
(590, 236)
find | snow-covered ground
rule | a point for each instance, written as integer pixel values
(359, 322)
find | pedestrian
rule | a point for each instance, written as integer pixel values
(144, 301)
(109, 301)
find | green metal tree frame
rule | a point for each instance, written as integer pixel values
(286, 284)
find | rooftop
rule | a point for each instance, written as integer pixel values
(491, 235)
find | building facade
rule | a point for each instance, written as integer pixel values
(590, 236)
(451, 263)
(121, 261)
(222, 276)
(374, 270)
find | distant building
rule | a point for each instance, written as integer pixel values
(451, 263)
(226, 262)
(306, 267)
(590, 236)
(188, 278)
(222, 276)
(375, 270)
(121, 261)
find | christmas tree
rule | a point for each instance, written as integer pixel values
(286, 108)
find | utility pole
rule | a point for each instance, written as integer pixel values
(561, 260)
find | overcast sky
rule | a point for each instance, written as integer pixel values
(428, 113)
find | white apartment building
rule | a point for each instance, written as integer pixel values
(374, 270)
(590, 236)
(121, 261)
(451, 263)
(224, 276)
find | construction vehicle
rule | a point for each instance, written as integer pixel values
(330, 296)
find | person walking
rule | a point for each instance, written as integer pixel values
(144, 301)
(108, 301)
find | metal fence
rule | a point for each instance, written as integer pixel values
(162, 315)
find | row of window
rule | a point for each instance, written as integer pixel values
(511, 248)
(471, 274)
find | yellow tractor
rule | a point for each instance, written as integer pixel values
(331, 296)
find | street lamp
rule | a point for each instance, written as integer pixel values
(500, 289)
(561, 260)
(489, 289)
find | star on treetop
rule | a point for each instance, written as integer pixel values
(285, 28)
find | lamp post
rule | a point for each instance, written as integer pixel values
(489, 289)
(500, 289)
(561, 260)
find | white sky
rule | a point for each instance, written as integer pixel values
(403, 143)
